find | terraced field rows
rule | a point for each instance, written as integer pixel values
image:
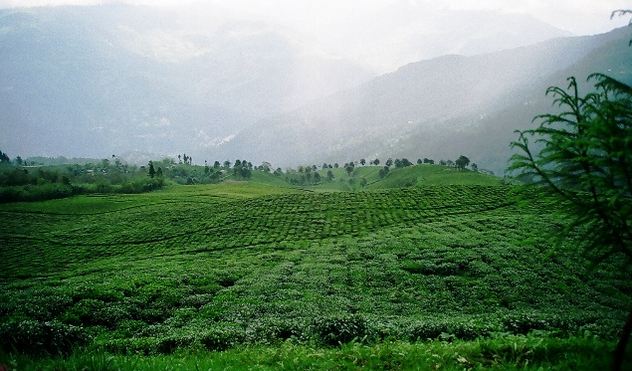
(178, 224)
(151, 273)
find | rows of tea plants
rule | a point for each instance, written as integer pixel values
(171, 224)
(153, 273)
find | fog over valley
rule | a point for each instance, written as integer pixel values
(287, 83)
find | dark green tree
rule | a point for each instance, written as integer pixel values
(266, 167)
(384, 171)
(349, 168)
(586, 161)
(151, 171)
(159, 172)
(4, 158)
(462, 162)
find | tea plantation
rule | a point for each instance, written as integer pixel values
(453, 274)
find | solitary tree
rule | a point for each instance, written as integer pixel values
(4, 158)
(349, 168)
(266, 166)
(384, 171)
(586, 161)
(462, 162)
(362, 162)
(152, 171)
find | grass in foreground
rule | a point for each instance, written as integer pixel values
(245, 264)
(506, 353)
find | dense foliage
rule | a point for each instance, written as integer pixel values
(36, 182)
(218, 266)
(586, 160)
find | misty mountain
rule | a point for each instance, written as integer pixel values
(96, 80)
(438, 108)
(91, 81)
(408, 32)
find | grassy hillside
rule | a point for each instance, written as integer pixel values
(259, 264)
(421, 175)
(417, 175)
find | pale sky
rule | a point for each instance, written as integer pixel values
(577, 16)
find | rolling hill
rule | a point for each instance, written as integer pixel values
(459, 256)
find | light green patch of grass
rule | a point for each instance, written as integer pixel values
(247, 264)
(508, 353)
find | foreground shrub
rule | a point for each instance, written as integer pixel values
(222, 338)
(36, 337)
(340, 329)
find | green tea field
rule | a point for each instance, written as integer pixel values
(271, 275)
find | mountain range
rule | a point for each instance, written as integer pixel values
(438, 108)
(99, 80)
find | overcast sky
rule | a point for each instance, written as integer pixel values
(577, 16)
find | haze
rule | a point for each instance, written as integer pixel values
(291, 81)
(356, 30)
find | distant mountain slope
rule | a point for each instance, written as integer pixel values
(96, 80)
(441, 107)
